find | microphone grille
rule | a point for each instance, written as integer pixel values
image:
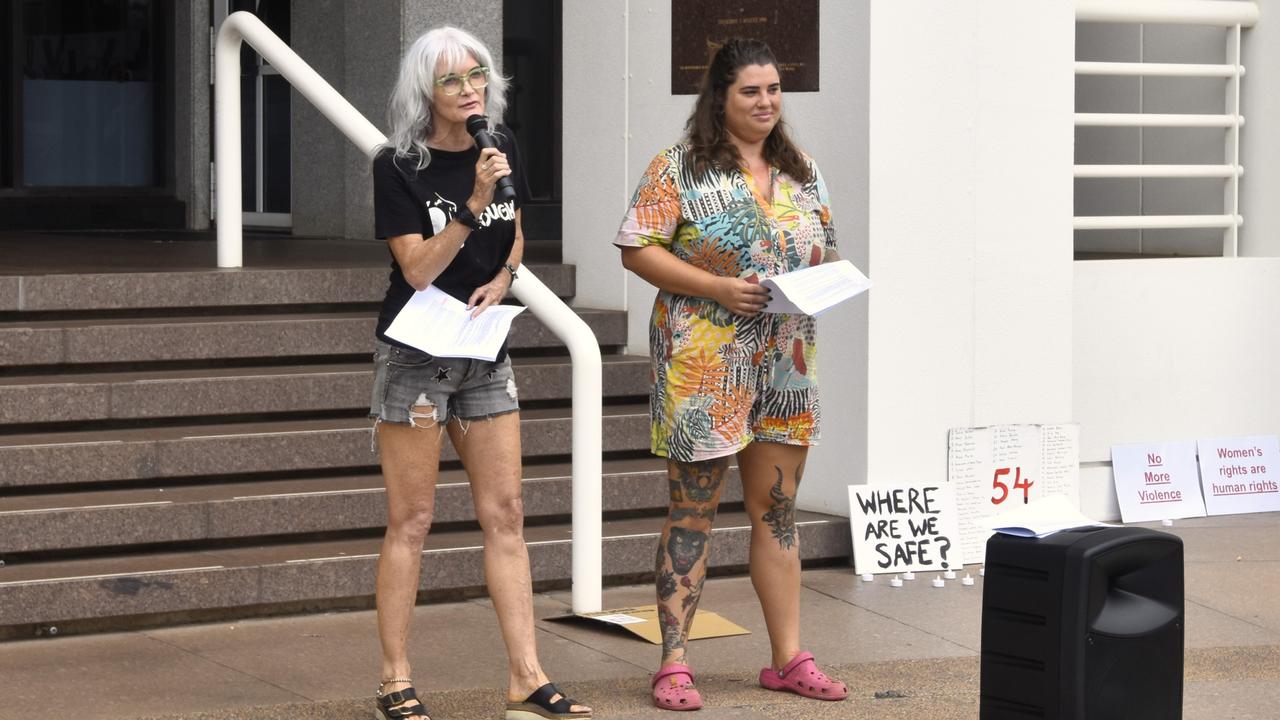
(477, 123)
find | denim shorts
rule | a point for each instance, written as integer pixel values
(455, 387)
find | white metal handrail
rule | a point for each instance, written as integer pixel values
(1158, 171)
(1089, 67)
(1181, 120)
(1231, 14)
(584, 349)
(1155, 222)
(1175, 12)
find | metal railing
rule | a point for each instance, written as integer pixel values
(584, 350)
(1230, 14)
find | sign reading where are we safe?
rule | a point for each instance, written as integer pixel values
(896, 528)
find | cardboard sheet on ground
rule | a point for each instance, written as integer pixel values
(642, 622)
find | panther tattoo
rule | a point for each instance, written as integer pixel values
(686, 547)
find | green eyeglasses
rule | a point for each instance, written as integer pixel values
(477, 78)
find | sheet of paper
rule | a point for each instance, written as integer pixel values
(440, 325)
(816, 289)
(1042, 518)
(618, 619)
(998, 468)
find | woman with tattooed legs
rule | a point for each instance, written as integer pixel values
(735, 203)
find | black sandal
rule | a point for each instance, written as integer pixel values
(395, 704)
(538, 706)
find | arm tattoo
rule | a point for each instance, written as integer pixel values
(781, 516)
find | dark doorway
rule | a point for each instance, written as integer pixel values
(531, 58)
(86, 120)
(266, 180)
(531, 48)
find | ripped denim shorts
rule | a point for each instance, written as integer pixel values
(459, 388)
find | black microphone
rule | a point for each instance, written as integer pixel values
(478, 126)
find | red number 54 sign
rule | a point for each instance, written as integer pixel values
(1000, 485)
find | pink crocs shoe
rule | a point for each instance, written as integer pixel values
(802, 677)
(673, 689)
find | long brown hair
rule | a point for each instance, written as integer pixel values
(709, 144)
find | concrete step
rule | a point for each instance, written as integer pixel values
(114, 518)
(176, 289)
(212, 392)
(51, 459)
(135, 340)
(237, 580)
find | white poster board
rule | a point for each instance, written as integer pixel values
(1157, 481)
(1001, 466)
(1240, 474)
(896, 528)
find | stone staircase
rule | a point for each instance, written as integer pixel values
(180, 445)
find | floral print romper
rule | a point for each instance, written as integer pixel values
(722, 380)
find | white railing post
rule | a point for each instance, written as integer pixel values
(588, 394)
(226, 144)
(584, 349)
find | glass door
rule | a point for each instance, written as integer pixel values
(266, 184)
(82, 92)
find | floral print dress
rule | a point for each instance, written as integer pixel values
(722, 380)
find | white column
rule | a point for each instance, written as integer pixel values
(970, 224)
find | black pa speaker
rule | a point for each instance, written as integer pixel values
(1086, 624)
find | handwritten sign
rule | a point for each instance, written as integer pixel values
(995, 468)
(903, 527)
(1239, 475)
(1157, 481)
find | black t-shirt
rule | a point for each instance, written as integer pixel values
(408, 201)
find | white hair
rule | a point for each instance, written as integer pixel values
(409, 112)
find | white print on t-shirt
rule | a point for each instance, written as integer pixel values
(440, 211)
(495, 211)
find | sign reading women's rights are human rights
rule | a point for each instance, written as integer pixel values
(1240, 474)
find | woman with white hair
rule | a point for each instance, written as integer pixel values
(434, 203)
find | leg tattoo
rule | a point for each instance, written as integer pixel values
(666, 584)
(694, 592)
(700, 480)
(672, 639)
(686, 548)
(694, 488)
(781, 516)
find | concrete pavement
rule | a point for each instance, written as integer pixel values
(905, 652)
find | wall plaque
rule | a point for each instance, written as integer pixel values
(700, 27)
